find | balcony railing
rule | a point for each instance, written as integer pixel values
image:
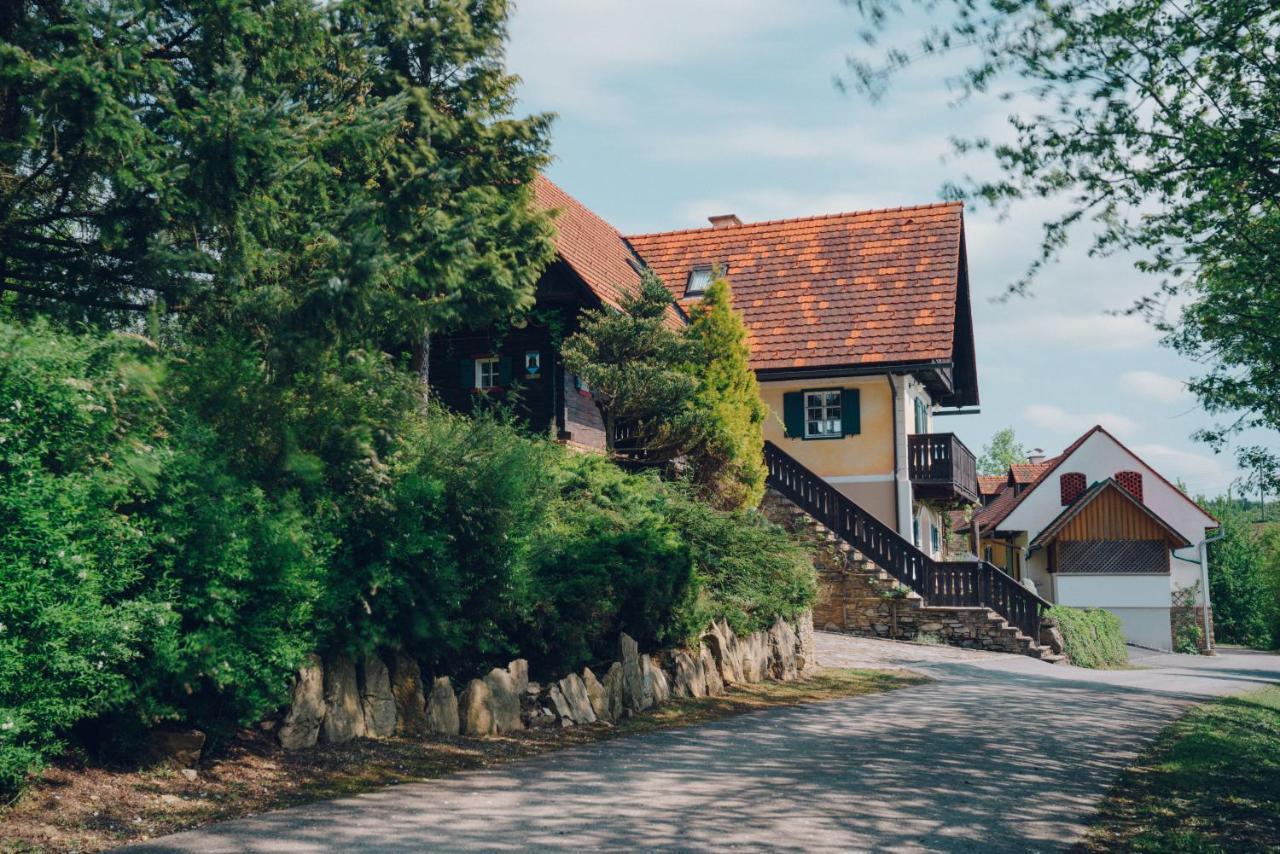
(940, 466)
(953, 583)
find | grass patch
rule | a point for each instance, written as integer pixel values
(1211, 782)
(79, 807)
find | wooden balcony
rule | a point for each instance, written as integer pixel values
(942, 468)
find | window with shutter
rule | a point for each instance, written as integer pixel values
(486, 372)
(822, 411)
(851, 418)
(922, 416)
(793, 414)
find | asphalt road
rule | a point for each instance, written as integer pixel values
(999, 753)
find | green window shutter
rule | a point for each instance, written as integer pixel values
(922, 416)
(793, 414)
(504, 371)
(850, 411)
(467, 373)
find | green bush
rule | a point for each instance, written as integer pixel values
(162, 563)
(1092, 636)
(78, 427)
(141, 580)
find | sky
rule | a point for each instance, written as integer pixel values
(670, 111)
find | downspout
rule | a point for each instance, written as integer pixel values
(1204, 585)
(1203, 549)
(893, 399)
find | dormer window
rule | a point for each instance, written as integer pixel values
(701, 277)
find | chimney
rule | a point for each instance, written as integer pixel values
(724, 221)
(1036, 457)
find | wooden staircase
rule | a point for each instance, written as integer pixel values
(876, 583)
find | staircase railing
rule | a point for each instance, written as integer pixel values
(973, 583)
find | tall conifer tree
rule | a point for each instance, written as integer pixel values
(727, 455)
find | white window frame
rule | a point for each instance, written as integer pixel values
(827, 427)
(700, 270)
(487, 365)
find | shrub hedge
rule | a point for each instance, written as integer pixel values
(154, 570)
(1092, 637)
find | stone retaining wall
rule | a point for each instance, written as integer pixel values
(337, 699)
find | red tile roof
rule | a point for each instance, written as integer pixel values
(843, 289)
(1028, 472)
(991, 484)
(593, 248)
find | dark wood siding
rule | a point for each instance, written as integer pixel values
(547, 401)
(531, 396)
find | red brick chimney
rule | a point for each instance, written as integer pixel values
(724, 221)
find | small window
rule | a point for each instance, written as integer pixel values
(987, 553)
(915, 532)
(822, 414)
(935, 539)
(699, 280)
(487, 372)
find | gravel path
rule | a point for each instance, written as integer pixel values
(999, 753)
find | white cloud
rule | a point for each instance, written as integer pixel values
(760, 141)
(1049, 417)
(1202, 472)
(1089, 332)
(583, 56)
(1154, 386)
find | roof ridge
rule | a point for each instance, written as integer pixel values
(571, 197)
(787, 220)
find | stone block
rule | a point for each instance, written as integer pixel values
(406, 687)
(596, 694)
(442, 708)
(377, 703)
(301, 726)
(475, 709)
(343, 717)
(504, 699)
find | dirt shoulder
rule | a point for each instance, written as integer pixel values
(80, 807)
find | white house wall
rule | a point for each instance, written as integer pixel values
(1140, 601)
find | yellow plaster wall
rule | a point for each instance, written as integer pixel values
(870, 452)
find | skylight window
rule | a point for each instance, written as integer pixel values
(701, 277)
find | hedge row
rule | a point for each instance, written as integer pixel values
(1092, 637)
(153, 569)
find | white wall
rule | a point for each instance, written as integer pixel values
(1147, 627)
(1095, 590)
(1140, 601)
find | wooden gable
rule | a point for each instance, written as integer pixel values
(1107, 512)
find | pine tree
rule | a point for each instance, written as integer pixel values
(726, 457)
(301, 173)
(635, 365)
